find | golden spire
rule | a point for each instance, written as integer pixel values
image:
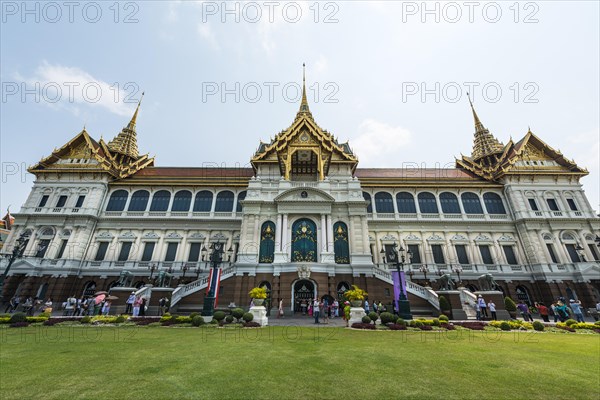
(484, 144)
(125, 143)
(304, 110)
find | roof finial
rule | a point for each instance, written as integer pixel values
(478, 124)
(135, 114)
(304, 103)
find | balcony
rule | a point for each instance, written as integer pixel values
(172, 214)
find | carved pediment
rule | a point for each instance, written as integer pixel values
(304, 194)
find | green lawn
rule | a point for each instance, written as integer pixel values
(78, 362)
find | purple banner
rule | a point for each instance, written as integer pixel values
(398, 283)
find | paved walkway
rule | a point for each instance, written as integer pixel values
(299, 320)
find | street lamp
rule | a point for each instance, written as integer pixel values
(457, 269)
(215, 258)
(580, 252)
(184, 269)
(424, 269)
(410, 274)
(17, 252)
(399, 257)
(152, 268)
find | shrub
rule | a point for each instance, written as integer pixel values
(505, 326)
(44, 314)
(248, 317)
(219, 315)
(387, 317)
(373, 316)
(448, 326)
(509, 304)
(165, 318)
(18, 317)
(417, 324)
(358, 325)
(237, 313)
(198, 321)
(401, 321)
(425, 328)
(20, 324)
(36, 319)
(4, 320)
(435, 322)
(214, 322)
(251, 324)
(355, 294)
(120, 319)
(538, 326)
(50, 322)
(229, 319)
(194, 314)
(86, 320)
(443, 318)
(182, 320)
(570, 322)
(597, 323)
(366, 319)
(444, 304)
(566, 328)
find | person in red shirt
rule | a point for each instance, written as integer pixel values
(543, 310)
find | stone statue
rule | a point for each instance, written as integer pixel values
(487, 282)
(446, 282)
(125, 279)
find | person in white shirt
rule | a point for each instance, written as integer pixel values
(492, 307)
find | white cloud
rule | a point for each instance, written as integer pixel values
(70, 88)
(207, 33)
(378, 144)
(322, 64)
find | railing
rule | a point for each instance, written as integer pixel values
(469, 303)
(173, 214)
(305, 184)
(411, 287)
(192, 287)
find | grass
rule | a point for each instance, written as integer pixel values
(86, 362)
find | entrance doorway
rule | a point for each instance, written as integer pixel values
(304, 290)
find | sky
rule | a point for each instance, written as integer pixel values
(390, 77)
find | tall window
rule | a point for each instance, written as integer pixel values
(533, 204)
(367, 198)
(594, 251)
(552, 204)
(267, 243)
(573, 252)
(194, 255)
(125, 249)
(427, 204)
(572, 204)
(415, 253)
(63, 246)
(139, 201)
(552, 253)
(406, 203)
(224, 201)
(160, 201)
(438, 254)
(449, 203)
(241, 196)
(471, 203)
(117, 201)
(171, 251)
(61, 201)
(461, 254)
(509, 252)
(101, 253)
(203, 201)
(493, 203)
(80, 201)
(486, 254)
(384, 202)
(182, 201)
(43, 200)
(340, 243)
(148, 251)
(42, 247)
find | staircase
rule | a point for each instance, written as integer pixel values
(185, 290)
(424, 293)
(469, 303)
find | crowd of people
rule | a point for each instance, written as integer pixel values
(558, 310)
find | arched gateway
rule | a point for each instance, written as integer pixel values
(303, 290)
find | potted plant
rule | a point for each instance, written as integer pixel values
(356, 296)
(259, 294)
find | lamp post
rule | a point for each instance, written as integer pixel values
(184, 269)
(17, 252)
(410, 274)
(424, 269)
(580, 252)
(457, 269)
(597, 240)
(215, 258)
(197, 270)
(398, 257)
(152, 268)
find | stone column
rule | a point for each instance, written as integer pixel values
(330, 233)
(256, 233)
(324, 235)
(284, 234)
(278, 233)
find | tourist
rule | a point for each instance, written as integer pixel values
(310, 309)
(106, 307)
(303, 307)
(577, 310)
(347, 310)
(129, 303)
(28, 306)
(316, 310)
(563, 311)
(367, 306)
(90, 305)
(375, 306)
(143, 307)
(477, 311)
(492, 307)
(78, 306)
(12, 304)
(380, 308)
(325, 314)
(482, 306)
(524, 310)
(336, 306)
(543, 310)
(136, 305)
(70, 306)
(280, 309)
(554, 311)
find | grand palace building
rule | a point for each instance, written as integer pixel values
(305, 220)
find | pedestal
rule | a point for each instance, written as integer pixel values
(260, 315)
(453, 297)
(356, 315)
(498, 299)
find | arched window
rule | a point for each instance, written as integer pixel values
(493, 203)
(342, 288)
(139, 201)
(203, 202)
(182, 201)
(224, 201)
(471, 203)
(406, 203)
(384, 202)
(340, 243)
(117, 201)
(89, 288)
(449, 203)
(267, 243)
(160, 201)
(241, 196)
(523, 295)
(427, 204)
(367, 198)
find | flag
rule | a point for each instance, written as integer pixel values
(217, 281)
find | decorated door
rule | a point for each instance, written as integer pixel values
(304, 241)
(340, 243)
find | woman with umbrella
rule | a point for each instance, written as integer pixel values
(98, 300)
(107, 303)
